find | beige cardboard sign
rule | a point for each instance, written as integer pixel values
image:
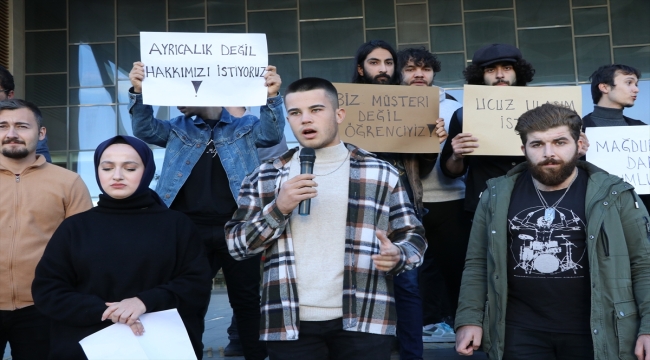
(490, 113)
(390, 118)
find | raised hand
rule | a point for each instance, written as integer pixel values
(137, 76)
(273, 81)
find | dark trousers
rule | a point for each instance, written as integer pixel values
(243, 283)
(326, 340)
(447, 228)
(28, 333)
(541, 345)
(409, 315)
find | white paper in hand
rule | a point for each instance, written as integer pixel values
(165, 337)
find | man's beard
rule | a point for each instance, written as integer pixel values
(552, 177)
(382, 78)
(504, 82)
(15, 153)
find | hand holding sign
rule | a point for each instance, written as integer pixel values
(440, 130)
(389, 254)
(136, 76)
(273, 81)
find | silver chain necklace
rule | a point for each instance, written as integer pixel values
(341, 164)
(549, 211)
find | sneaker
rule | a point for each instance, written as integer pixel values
(234, 348)
(437, 333)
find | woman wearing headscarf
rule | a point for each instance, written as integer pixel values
(128, 256)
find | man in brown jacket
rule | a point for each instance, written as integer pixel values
(35, 197)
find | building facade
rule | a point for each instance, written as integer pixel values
(72, 57)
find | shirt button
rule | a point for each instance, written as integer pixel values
(621, 313)
(514, 163)
(614, 193)
(167, 196)
(605, 203)
(596, 331)
(198, 145)
(179, 174)
(494, 232)
(591, 237)
(187, 162)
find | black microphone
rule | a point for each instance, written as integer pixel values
(307, 158)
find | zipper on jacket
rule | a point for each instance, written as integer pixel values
(605, 238)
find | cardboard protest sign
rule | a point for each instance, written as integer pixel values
(622, 151)
(490, 113)
(390, 118)
(197, 69)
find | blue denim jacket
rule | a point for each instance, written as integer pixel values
(236, 141)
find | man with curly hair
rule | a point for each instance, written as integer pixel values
(492, 65)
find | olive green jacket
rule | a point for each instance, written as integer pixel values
(618, 243)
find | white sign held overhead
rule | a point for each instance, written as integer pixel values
(622, 151)
(203, 69)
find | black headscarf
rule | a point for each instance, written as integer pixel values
(143, 195)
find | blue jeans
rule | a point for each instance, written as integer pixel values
(409, 315)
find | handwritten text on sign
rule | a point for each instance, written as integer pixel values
(623, 151)
(390, 118)
(490, 113)
(196, 69)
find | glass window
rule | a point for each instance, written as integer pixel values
(275, 4)
(236, 29)
(280, 27)
(340, 70)
(412, 24)
(486, 4)
(128, 52)
(288, 66)
(226, 11)
(543, 13)
(130, 19)
(55, 121)
(183, 9)
(45, 51)
(388, 35)
(92, 65)
(90, 125)
(187, 25)
(319, 9)
(551, 53)
(630, 23)
(91, 21)
(45, 14)
(47, 90)
(488, 27)
(123, 87)
(447, 38)
(92, 96)
(379, 13)
(83, 163)
(577, 3)
(590, 21)
(592, 52)
(60, 158)
(638, 57)
(445, 12)
(326, 39)
(451, 73)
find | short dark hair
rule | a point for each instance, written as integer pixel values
(362, 53)
(6, 80)
(15, 104)
(420, 57)
(523, 70)
(605, 75)
(546, 117)
(314, 83)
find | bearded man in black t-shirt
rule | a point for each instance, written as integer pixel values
(557, 265)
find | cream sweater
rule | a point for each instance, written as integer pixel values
(319, 238)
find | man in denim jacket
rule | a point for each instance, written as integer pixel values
(209, 153)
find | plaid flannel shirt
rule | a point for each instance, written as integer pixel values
(377, 201)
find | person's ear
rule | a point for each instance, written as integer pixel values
(41, 133)
(360, 70)
(604, 88)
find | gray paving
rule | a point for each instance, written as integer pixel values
(218, 317)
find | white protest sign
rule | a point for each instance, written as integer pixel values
(622, 151)
(201, 69)
(490, 113)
